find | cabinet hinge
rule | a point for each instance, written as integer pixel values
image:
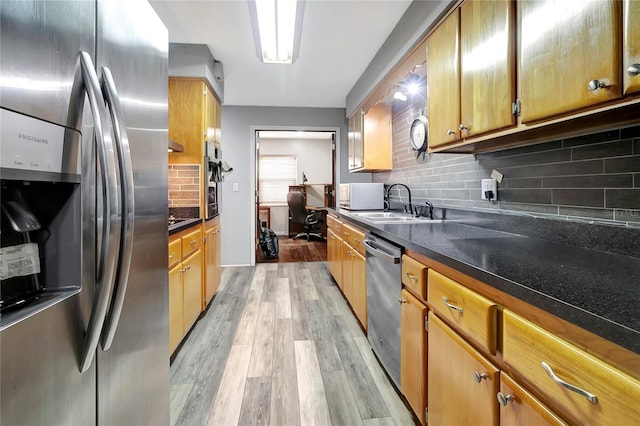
(515, 108)
(426, 415)
(426, 324)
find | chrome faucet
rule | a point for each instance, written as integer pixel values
(410, 210)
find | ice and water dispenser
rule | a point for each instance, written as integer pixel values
(40, 216)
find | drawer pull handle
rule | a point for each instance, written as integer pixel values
(171, 256)
(357, 241)
(411, 277)
(590, 397)
(193, 243)
(633, 70)
(478, 377)
(450, 306)
(503, 399)
(596, 84)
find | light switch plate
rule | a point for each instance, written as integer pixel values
(489, 185)
(236, 187)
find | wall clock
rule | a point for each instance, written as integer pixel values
(418, 134)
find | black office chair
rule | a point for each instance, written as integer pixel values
(302, 216)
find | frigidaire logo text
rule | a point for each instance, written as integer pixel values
(33, 138)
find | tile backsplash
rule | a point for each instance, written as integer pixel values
(592, 177)
(184, 185)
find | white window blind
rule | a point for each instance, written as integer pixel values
(277, 172)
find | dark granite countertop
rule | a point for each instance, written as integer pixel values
(183, 224)
(596, 290)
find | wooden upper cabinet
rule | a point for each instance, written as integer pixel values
(370, 142)
(443, 82)
(210, 115)
(567, 50)
(193, 118)
(487, 66)
(186, 118)
(631, 46)
(356, 159)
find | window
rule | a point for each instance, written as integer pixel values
(277, 172)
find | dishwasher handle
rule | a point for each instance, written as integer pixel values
(375, 251)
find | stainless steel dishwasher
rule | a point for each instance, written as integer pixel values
(384, 283)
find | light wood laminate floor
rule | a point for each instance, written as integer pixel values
(279, 346)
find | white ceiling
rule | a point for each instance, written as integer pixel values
(339, 39)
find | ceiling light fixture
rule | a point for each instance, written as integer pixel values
(400, 96)
(277, 25)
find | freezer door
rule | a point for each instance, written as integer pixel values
(40, 44)
(39, 356)
(133, 374)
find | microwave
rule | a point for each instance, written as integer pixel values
(362, 196)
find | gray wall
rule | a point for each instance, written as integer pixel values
(414, 24)
(238, 126)
(194, 60)
(595, 176)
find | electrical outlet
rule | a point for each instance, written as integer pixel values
(489, 190)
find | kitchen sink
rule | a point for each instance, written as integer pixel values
(393, 217)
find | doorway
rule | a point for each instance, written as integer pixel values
(292, 160)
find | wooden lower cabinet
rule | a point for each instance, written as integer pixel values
(518, 407)
(413, 353)
(185, 283)
(192, 288)
(176, 308)
(359, 288)
(213, 270)
(462, 383)
(185, 297)
(354, 281)
(347, 281)
(334, 256)
(600, 394)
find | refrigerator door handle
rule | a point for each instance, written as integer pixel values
(128, 207)
(105, 271)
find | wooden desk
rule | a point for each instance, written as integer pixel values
(264, 214)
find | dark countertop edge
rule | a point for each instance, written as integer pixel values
(617, 333)
(174, 229)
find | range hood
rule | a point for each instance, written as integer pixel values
(175, 146)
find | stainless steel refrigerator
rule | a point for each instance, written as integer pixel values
(83, 259)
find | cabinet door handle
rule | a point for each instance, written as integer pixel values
(411, 277)
(402, 301)
(171, 256)
(633, 70)
(464, 128)
(590, 397)
(596, 84)
(450, 306)
(503, 399)
(193, 243)
(478, 377)
(186, 268)
(451, 132)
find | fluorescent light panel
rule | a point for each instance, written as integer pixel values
(278, 24)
